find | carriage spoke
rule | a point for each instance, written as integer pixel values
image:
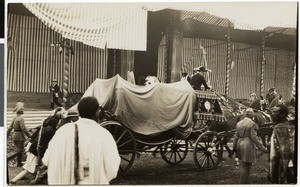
(205, 144)
(121, 137)
(213, 140)
(115, 131)
(169, 146)
(171, 156)
(200, 145)
(124, 158)
(180, 150)
(216, 156)
(167, 152)
(207, 158)
(201, 157)
(175, 159)
(216, 143)
(121, 169)
(213, 162)
(204, 161)
(179, 155)
(130, 140)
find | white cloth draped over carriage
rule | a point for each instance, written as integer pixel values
(152, 109)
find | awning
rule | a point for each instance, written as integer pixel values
(111, 25)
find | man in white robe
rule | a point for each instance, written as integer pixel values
(99, 159)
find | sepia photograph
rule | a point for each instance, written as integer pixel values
(151, 93)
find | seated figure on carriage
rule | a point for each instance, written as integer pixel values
(272, 98)
(198, 81)
(255, 102)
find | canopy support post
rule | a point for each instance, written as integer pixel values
(263, 61)
(228, 59)
(175, 46)
(66, 72)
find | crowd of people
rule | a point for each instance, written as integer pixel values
(68, 148)
(246, 141)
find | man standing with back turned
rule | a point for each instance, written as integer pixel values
(82, 152)
(245, 144)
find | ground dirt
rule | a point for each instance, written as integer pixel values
(152, 170)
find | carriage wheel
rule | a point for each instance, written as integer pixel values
(174, 151)
(126, 144)
(208, 150)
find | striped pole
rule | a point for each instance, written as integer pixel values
(294, 81)
(228, 60)
(263, 61)
(166, 60)
(66, 72)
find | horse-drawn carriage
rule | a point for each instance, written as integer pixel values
(172, 117)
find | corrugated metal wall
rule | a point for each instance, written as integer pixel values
(33, 63)
(210, 53)
(279, 71)
(245, 70)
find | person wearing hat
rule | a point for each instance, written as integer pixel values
(272, 97)
(54, 96)
(72, 116)
(19, 131)
(198, 81)
(255, 102)
(245, 144)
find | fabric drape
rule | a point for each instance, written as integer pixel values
(146, 109)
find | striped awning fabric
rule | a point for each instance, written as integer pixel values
(205, 17)
(281, 30)
(111, 25)
(208, 18)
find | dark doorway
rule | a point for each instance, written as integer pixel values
(145, 62)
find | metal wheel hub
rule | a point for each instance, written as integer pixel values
(174, 147)
(211, 151)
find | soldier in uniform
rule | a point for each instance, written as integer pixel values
(19, 131)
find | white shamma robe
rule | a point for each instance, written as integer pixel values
(99, 159)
